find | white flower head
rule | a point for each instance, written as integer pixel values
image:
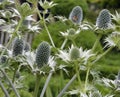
(52, 62)
(78, 54)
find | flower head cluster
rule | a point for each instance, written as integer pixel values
(76, 15)
(104, 19)
(75, 53)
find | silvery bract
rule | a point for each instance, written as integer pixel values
(76, 15)
(42, 54)
(18, 46)
(104, 19)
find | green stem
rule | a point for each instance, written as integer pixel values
(14, 75)
(13, 87)
(77, 73)
(46, 84)
(63, 45)
(4, 90)
(67, 85)
(37, 84)
(73, 42)
(103, 54)
(96, 42)
(46, 27)
(86, 79)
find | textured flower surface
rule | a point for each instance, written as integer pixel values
(42, 54)
(83, 54)
(76, 15)
(18, 46)
(104, 19)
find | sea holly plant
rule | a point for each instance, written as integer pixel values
(18, 58)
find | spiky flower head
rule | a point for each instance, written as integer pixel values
(42, 54)
(3, 59)
(104, 19)
(74, 53)
(18, 46)
(76, 15)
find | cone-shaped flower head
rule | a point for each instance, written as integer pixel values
(76, 15)
(104, 19)
(42, 54)
(74, 53)
(18, 46)
(3, 59)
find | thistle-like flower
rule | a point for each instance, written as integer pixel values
(70, 33)
(113, 40)
(42, 54)
(76, 15)
(104, 20)
(75, 53)
(3, 59)
(18, 46)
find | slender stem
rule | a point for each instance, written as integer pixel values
(61, 79)
(63, 45)
(4, 90)
(37, 84)
(14, 75)
(77, 72)
(73, 42)
(86, 79)
(67, 85)
(13, 87)
(46, 27)
(96, 42)
(103, 54)
(46, 84)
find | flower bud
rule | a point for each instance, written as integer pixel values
(18, 46)
(104, 19)
(76, 15)
(42, 54)
(74, 53)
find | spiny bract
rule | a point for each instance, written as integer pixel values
(42, 54)
(76, 15)
(104, 19)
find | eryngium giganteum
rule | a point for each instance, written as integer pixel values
(104, 19)
(18, 46)
(76, 15)
(42, 54)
